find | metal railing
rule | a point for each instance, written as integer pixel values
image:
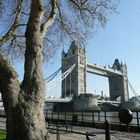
(93, 116)
(2, 113)
(89, 117)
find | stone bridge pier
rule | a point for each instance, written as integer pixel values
(118, 84)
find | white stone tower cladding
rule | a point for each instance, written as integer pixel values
(118, 85)
(75, 83)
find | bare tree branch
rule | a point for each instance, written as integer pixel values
(51, 18)
(9, 34)
(71, 19)
(63, 25)
(6, 70)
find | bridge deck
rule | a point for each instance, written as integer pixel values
(103, 71)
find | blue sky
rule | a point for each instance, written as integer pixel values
(120, 39)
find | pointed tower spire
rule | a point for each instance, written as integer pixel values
(116, 65)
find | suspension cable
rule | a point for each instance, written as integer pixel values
(70, 84)
(132, 89)
(50, 78)
(55, 81)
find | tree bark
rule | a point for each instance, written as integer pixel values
(24, 104)
(10, 88)
(31, 104)
(33, 90)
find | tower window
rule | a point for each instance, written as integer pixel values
(73, 51)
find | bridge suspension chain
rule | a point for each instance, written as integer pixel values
(54, 82)
(51, 77)
(132, 89)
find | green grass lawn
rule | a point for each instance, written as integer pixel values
(2, 135)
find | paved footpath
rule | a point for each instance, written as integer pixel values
(100, 135)
(2, 123)
(115, 135)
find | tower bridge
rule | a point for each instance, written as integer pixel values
(75, 83)
(74, 68)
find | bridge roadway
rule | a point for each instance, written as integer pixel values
(103, 71)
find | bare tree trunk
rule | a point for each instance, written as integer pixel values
(24, 104)
(9, 87)
(33, 87)
(33, 90)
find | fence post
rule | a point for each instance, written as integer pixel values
(58, 134)
(137, 119)
(107, 130)
(82, 118)
(65, 116)
(92, 117)
(105, 115)
(58, 114)
(99, 116)
(52, 115)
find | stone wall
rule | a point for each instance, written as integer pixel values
(118, 85)
(75, 83)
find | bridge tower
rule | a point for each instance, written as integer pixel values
(118, 84)
(75, 83)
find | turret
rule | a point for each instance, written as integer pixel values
(120, 66)
(75, 83)
(116, 65)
